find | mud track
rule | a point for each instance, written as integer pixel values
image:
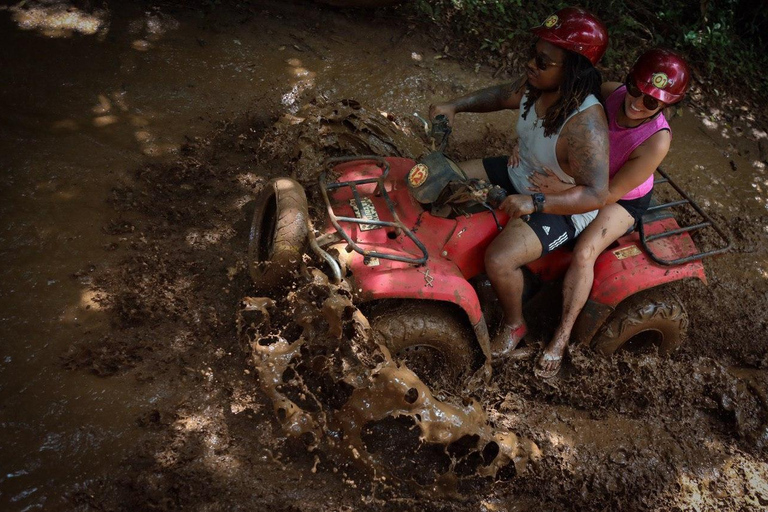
(633, 432)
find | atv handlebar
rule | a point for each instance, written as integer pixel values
(496, 196)
(440, 131)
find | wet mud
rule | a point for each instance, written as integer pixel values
(342, 393)
(286, 402)
(301, 369)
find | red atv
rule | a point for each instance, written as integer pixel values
(409, 239)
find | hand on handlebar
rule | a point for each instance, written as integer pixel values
(446, 109)
(517, 205)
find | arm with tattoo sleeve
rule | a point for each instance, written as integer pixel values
(586, 136)
(490, 99)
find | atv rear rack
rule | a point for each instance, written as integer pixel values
(708, 222)
(380, 190)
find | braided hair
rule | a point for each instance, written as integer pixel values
(580, 80)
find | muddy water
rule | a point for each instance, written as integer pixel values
(80, 112)
(86, 101)
(82, 108)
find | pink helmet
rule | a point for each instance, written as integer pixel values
(577, 30)
(662, 74)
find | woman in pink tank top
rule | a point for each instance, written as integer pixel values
(639, 141)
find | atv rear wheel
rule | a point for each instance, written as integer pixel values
(278, 233)
(652, 317)
(435, 342)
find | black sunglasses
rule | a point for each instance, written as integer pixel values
(649, 102)
(541, 61)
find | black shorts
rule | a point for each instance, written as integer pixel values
(636, 207)
(496, 169)
(552, 230)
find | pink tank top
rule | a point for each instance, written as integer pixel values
(625, 140)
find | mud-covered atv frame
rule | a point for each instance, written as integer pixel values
(420, 277)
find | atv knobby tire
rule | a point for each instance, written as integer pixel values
(278, 233)
(432, 338)
(650, 317)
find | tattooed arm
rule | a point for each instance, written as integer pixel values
(491, 99)
(583, 153)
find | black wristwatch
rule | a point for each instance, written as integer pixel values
(538, 202)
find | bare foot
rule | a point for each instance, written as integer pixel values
(551, 360)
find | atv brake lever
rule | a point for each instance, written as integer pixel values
(494, 199)
(493, 213)
(424, 122)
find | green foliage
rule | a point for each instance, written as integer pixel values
(723, 39)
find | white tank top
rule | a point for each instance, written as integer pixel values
(538, 151)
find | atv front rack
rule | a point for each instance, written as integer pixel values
(707, 222)
(379, 191)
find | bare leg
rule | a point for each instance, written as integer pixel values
(612, 222)
(474, 169)
(514, 247)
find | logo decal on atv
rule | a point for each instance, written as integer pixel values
(418, 175)
(627, 252)
(369, 213)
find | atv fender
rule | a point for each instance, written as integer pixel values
(438, 280)
(625, 270)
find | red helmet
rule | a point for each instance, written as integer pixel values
(576, 30)
(662, 74)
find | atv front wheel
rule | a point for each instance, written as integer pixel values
(433, 340)
(651, 317)
(278, 233)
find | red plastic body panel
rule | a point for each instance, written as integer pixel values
(439, 279)
(552, 266)
(456, 249)
(627, 269)
(409, 211)
(472, 236)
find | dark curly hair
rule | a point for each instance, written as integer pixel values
(580, 80)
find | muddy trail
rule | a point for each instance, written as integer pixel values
(142, 369)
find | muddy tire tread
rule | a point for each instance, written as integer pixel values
(654, 309)
(424, 322)
(290, 233)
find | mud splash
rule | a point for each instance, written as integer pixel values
(159, 409)
(325, 128)
(333, 387)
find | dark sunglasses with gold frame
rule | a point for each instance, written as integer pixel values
(540, 60)
(649, 102)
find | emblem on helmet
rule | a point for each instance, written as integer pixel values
(551, 21)
(418, 175)
(659, 80)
